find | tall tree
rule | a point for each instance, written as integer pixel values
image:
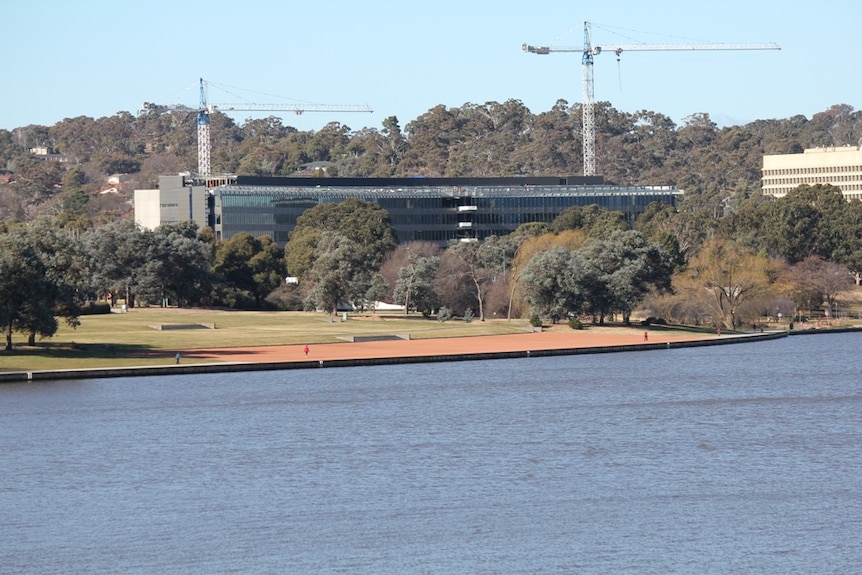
(118, 262)
(338, 274)
(252, 265)
(41, 278)
(415, 286)
(620, 271)
(548, 286)
(364, 223)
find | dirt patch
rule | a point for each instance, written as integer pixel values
(547, 340)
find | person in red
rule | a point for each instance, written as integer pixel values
(306, 351)
(646, 336)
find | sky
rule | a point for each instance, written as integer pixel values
(96, 58)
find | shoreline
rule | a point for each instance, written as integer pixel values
(390, 352)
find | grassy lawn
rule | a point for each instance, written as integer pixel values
(129, 339)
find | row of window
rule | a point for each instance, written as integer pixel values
(811, 180)
(437, 219)
(813, 170)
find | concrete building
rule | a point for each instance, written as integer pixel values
(438, 210)
(841, 167)
(177, 199)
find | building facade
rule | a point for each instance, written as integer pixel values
(438, 210)
(177, 199)
(841, 167)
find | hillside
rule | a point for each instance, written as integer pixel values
(717, 167)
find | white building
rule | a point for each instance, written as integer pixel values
(841, 167)
(174, 201)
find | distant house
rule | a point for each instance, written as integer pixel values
(118, 179)
(46, 153)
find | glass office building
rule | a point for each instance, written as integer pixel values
(438, 210)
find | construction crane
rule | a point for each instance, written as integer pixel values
(589, 51)
(205, 109)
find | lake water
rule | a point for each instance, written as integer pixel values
(730, 459)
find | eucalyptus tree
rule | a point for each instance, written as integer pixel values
(548, 286)
(250, 266)
(849, 251)
(805, 222)
(118, 255)
(415, 286)
(619, 271)
(465, 276)
(338, 274)
(181, 265)
(364, 223)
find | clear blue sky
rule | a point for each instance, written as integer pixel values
(95, 58)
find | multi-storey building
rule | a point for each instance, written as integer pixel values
(177, 199)
(841, 167)
(438, 210)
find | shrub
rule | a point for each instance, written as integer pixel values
(575, 323)
(535, 320)
(93, 308)
(468, 316)
(445, 314)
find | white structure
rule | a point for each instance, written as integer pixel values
(174, 201)
(841, 167)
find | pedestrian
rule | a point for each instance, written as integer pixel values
(178, 357)
(646, 336)
(306, 351)
(718, 331)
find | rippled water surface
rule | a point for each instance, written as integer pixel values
(731, 459)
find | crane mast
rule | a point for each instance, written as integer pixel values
(205, 109)
(589, 51)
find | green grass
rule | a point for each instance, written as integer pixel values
(127, 339)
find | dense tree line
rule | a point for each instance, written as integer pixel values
(725, 256)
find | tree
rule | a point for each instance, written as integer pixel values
(815, 281)
(547, 283)
(364, 223)
(464, 270)
(849, 249)
(251, 265)
(620, 271)
(415, 286)
(402, 256)
(184, 269)
(118, 262)
(804, 222)
(338, 274)
(729, 275)
(40, 280)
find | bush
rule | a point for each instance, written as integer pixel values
(445, 314)
(286, 298)
(575, 323)
(535, 320)
(468, 316)
(96, 308)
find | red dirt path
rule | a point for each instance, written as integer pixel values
(432, 347)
